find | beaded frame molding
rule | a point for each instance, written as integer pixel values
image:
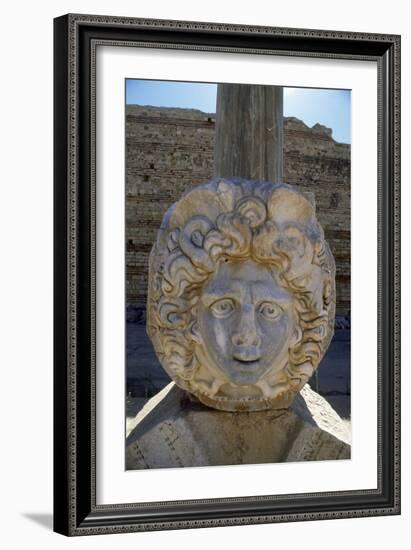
(76, 38)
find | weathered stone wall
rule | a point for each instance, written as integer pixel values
(316, 163)
(171, 150)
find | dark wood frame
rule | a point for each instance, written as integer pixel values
(75, 40)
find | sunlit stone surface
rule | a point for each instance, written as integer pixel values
(241, 298)
(173, 431)
(241, 307)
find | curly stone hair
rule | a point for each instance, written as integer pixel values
(272, 224)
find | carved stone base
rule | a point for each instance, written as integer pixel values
(173, 430)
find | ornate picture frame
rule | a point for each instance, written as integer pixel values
(76, 40)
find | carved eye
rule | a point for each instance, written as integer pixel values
(294, 241)
(222, 308)
(270, 310)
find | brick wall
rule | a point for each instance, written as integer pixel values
(171, 150)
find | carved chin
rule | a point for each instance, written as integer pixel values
(245, 372)
(267, 397)
(243, 390)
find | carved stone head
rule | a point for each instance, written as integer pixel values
(241, 299)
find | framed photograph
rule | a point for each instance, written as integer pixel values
(227, 279)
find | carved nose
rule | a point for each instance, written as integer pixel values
(246, 339)
(246, 333)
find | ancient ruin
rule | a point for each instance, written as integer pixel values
(241, 296)
(241, 308)
(170, 151)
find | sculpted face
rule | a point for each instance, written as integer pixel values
(246, 321)
(241, 294)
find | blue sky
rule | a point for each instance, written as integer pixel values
(332, 108)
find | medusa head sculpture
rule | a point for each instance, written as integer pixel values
(241, 298)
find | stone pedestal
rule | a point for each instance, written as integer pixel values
(173, 430)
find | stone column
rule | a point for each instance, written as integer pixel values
(249, 132)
